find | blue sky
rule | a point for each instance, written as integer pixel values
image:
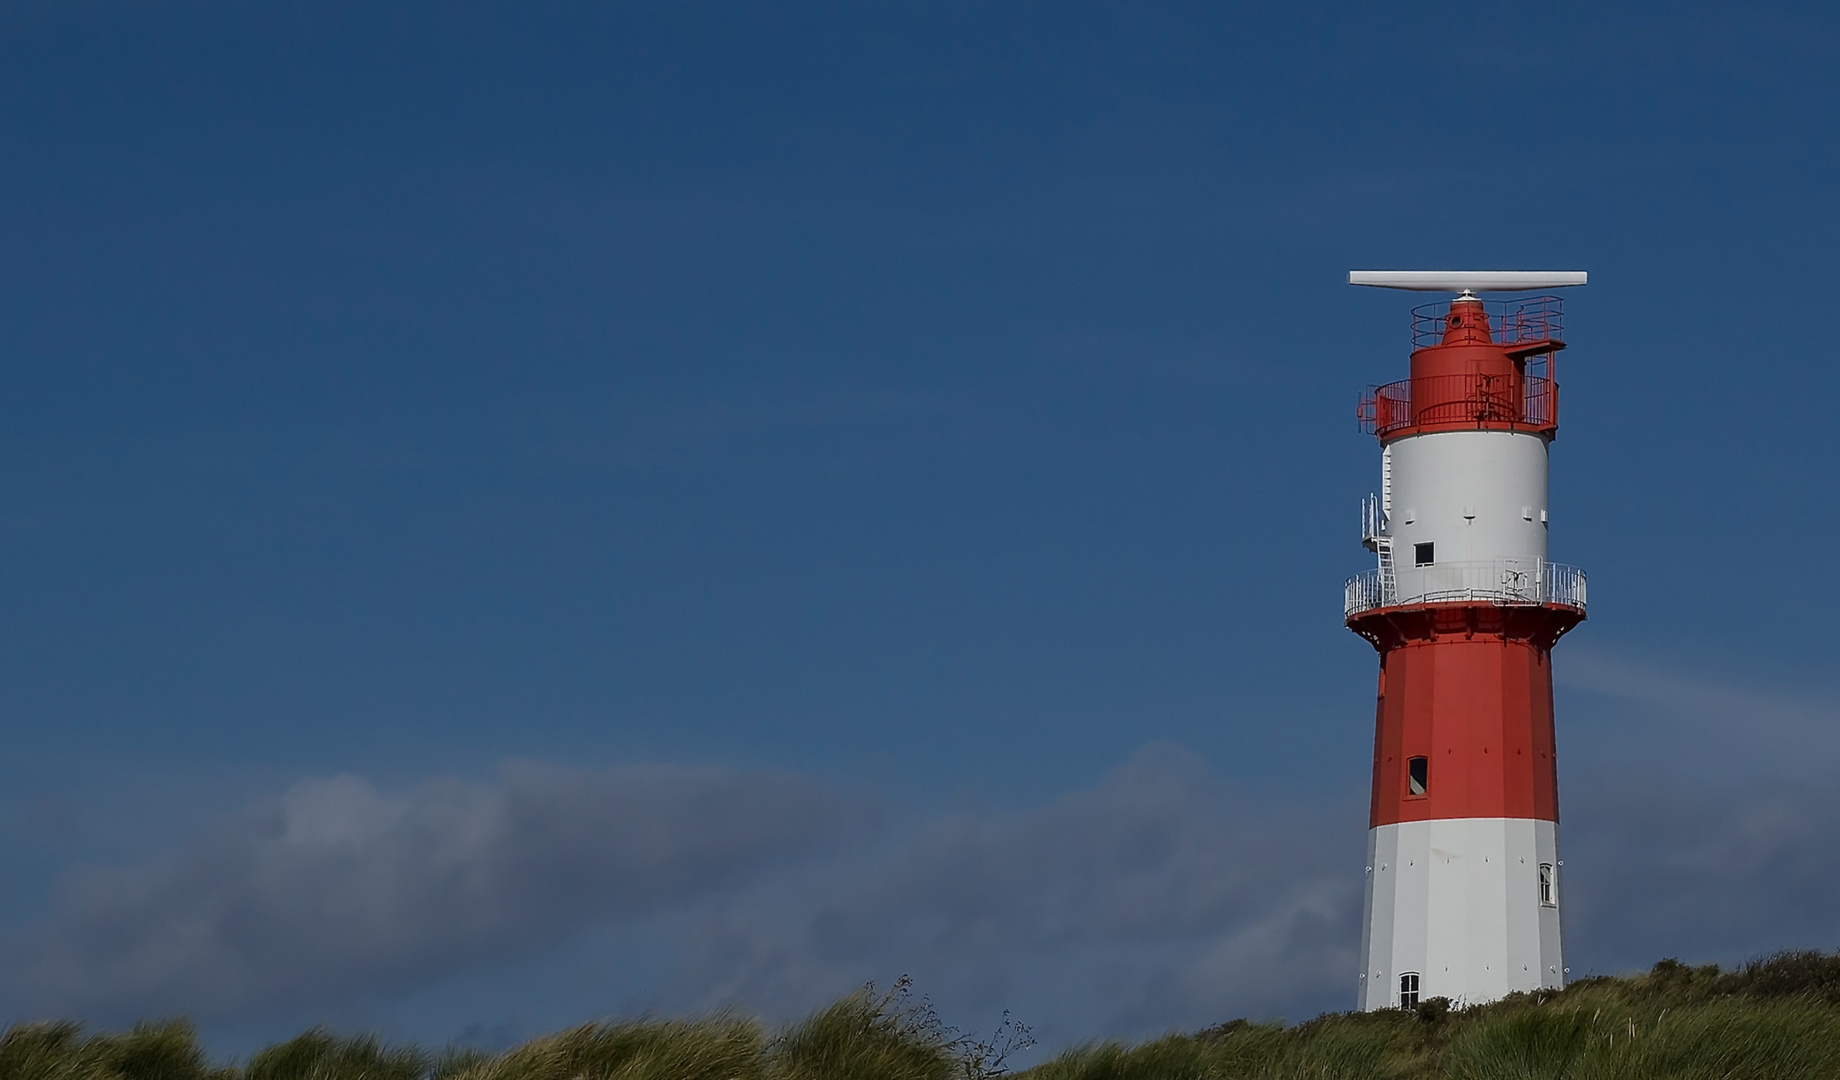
(514, 517)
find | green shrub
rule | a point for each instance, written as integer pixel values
(864, 1036)
(1172, 1058)
(167, 1051)
(1787, 974)
(721, 1048)
(320, 1055)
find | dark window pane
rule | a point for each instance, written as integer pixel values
(1417, 772)
(1423, 554)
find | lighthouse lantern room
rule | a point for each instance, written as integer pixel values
(1464, 878)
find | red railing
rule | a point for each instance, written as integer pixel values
(1500, 401)
(1511, 322)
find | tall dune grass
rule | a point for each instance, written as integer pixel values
(1777, 1018)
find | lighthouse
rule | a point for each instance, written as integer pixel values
(1465, 882)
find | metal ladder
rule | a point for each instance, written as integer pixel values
(1375, 512)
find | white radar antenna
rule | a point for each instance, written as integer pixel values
(1467, 281)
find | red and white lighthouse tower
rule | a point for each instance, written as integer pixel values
(1463, 606)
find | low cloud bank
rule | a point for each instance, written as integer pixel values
(337, 887)
(1677, 868)
(1156, 898)
(1701, 817)
(1159, 898)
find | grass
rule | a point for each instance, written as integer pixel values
(1777, 1018)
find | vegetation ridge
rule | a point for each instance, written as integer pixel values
(1776, 1018)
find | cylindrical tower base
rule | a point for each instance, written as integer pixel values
(1463, 849)
(1454, 910)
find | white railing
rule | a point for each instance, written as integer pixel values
(1564, 585)
(1373, 521)
(1500, 581)
(1362, 592)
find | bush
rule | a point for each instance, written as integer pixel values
(1787, 974)
(167, 1051)
(865, 1036)
(721, 1048)
(319, 1055)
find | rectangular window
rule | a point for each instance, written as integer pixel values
(1408, 990)
(1549, 891)
(1417, 775)
(1423, 554)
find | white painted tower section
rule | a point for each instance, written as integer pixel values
(1488, 887)
(1478, 498)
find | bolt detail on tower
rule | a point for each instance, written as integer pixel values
(1464, 879)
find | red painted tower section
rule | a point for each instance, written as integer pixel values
(1467, 687)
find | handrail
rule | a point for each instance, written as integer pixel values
(1511, 401)
(1510, 322)
(1498, 581)
(1373, 521)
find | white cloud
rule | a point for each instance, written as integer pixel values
(1700, 819)
(337, 886)
(1153, 899)
(1698, 721)
(1661, 866)
(1158, 898)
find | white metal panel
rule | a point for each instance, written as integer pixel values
(1457, 901)
(1380, 908)
(1465, 491)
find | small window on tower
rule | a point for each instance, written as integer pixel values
(1416, 773)
(1408, 990)
(1423, 554)
(1549, 894)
